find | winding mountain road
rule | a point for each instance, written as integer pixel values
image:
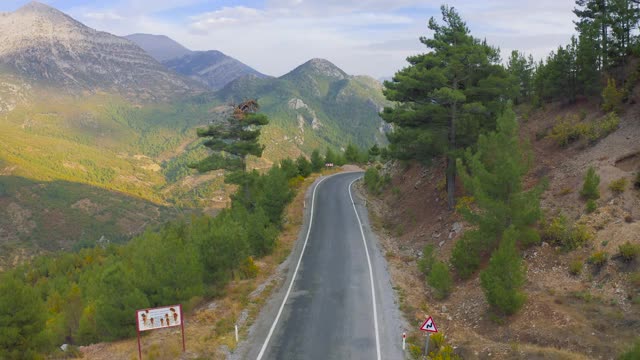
(337, 301)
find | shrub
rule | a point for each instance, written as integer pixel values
(427, 260)
(629, 251)
(558, 231)
(590, 187)
(563, 133)
(599, 258)
(609, 124)
(634, 279)
(304, 166)
(618, 186)
(440, 279)
(374, 181)
(248, 268)
(465, 256)
(612, 97)
(633, 353)
(636, 182)
(591, 206)
(575, 268)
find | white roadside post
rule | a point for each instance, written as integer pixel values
(237, 339)
(404, 340)
(429, 327)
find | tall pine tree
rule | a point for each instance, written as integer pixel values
(446, 96)
(232, 142)
(494, 176)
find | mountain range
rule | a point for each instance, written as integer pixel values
(211, 68)
(97, 131)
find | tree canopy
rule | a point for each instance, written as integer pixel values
(446, 96)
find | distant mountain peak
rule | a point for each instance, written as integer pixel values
(42, 44)
(36, 6)
(318, 66)
(160, 47)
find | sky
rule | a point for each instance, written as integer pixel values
(368, 37)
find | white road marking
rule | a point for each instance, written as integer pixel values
(295, 273)
(373, 291)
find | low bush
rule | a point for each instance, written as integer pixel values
(440, 279)
(559, 231)
(428, 258)
(629, 251)
(590, 189)
(374, 181)
(591, 206)
(612, 97)
(636, 182)
(633, 353)
(599, 258)
(618, 186)
(567, 131)
(575, 268)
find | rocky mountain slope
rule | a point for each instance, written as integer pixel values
(317, 104)
(47, 47)
(212, 68)
(160, 47)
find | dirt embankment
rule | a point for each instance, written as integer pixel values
(594, 315)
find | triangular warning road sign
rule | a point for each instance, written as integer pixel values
(429, 326)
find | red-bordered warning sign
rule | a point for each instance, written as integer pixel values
(429, 326)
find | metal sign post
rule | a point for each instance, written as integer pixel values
(159, 318)
(426, 345)
(429, 327)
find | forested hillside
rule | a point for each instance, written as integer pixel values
(508, 202)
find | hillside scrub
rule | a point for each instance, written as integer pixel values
(503, 279)
(590, 189)
(612, 97)
(618, 186)
(494, 176)
(439, 278)
(374, 181)
(91, 294)
(559, 231)
(569, 130)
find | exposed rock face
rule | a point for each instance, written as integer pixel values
(43, 45)
(211, 68)
(160, 47)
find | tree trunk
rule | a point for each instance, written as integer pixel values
(451, 159)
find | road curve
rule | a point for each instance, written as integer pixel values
(325, 309)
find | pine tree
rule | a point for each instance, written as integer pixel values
(448, 95)
(22, 320)
(317, 162)
(503, 279)
(232, 142)
(304, 166)
(521, 68)
(590, 189)
(494, 176)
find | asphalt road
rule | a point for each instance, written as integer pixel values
(325, 309)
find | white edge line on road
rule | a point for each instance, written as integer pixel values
(295, 273)
(373, 290)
